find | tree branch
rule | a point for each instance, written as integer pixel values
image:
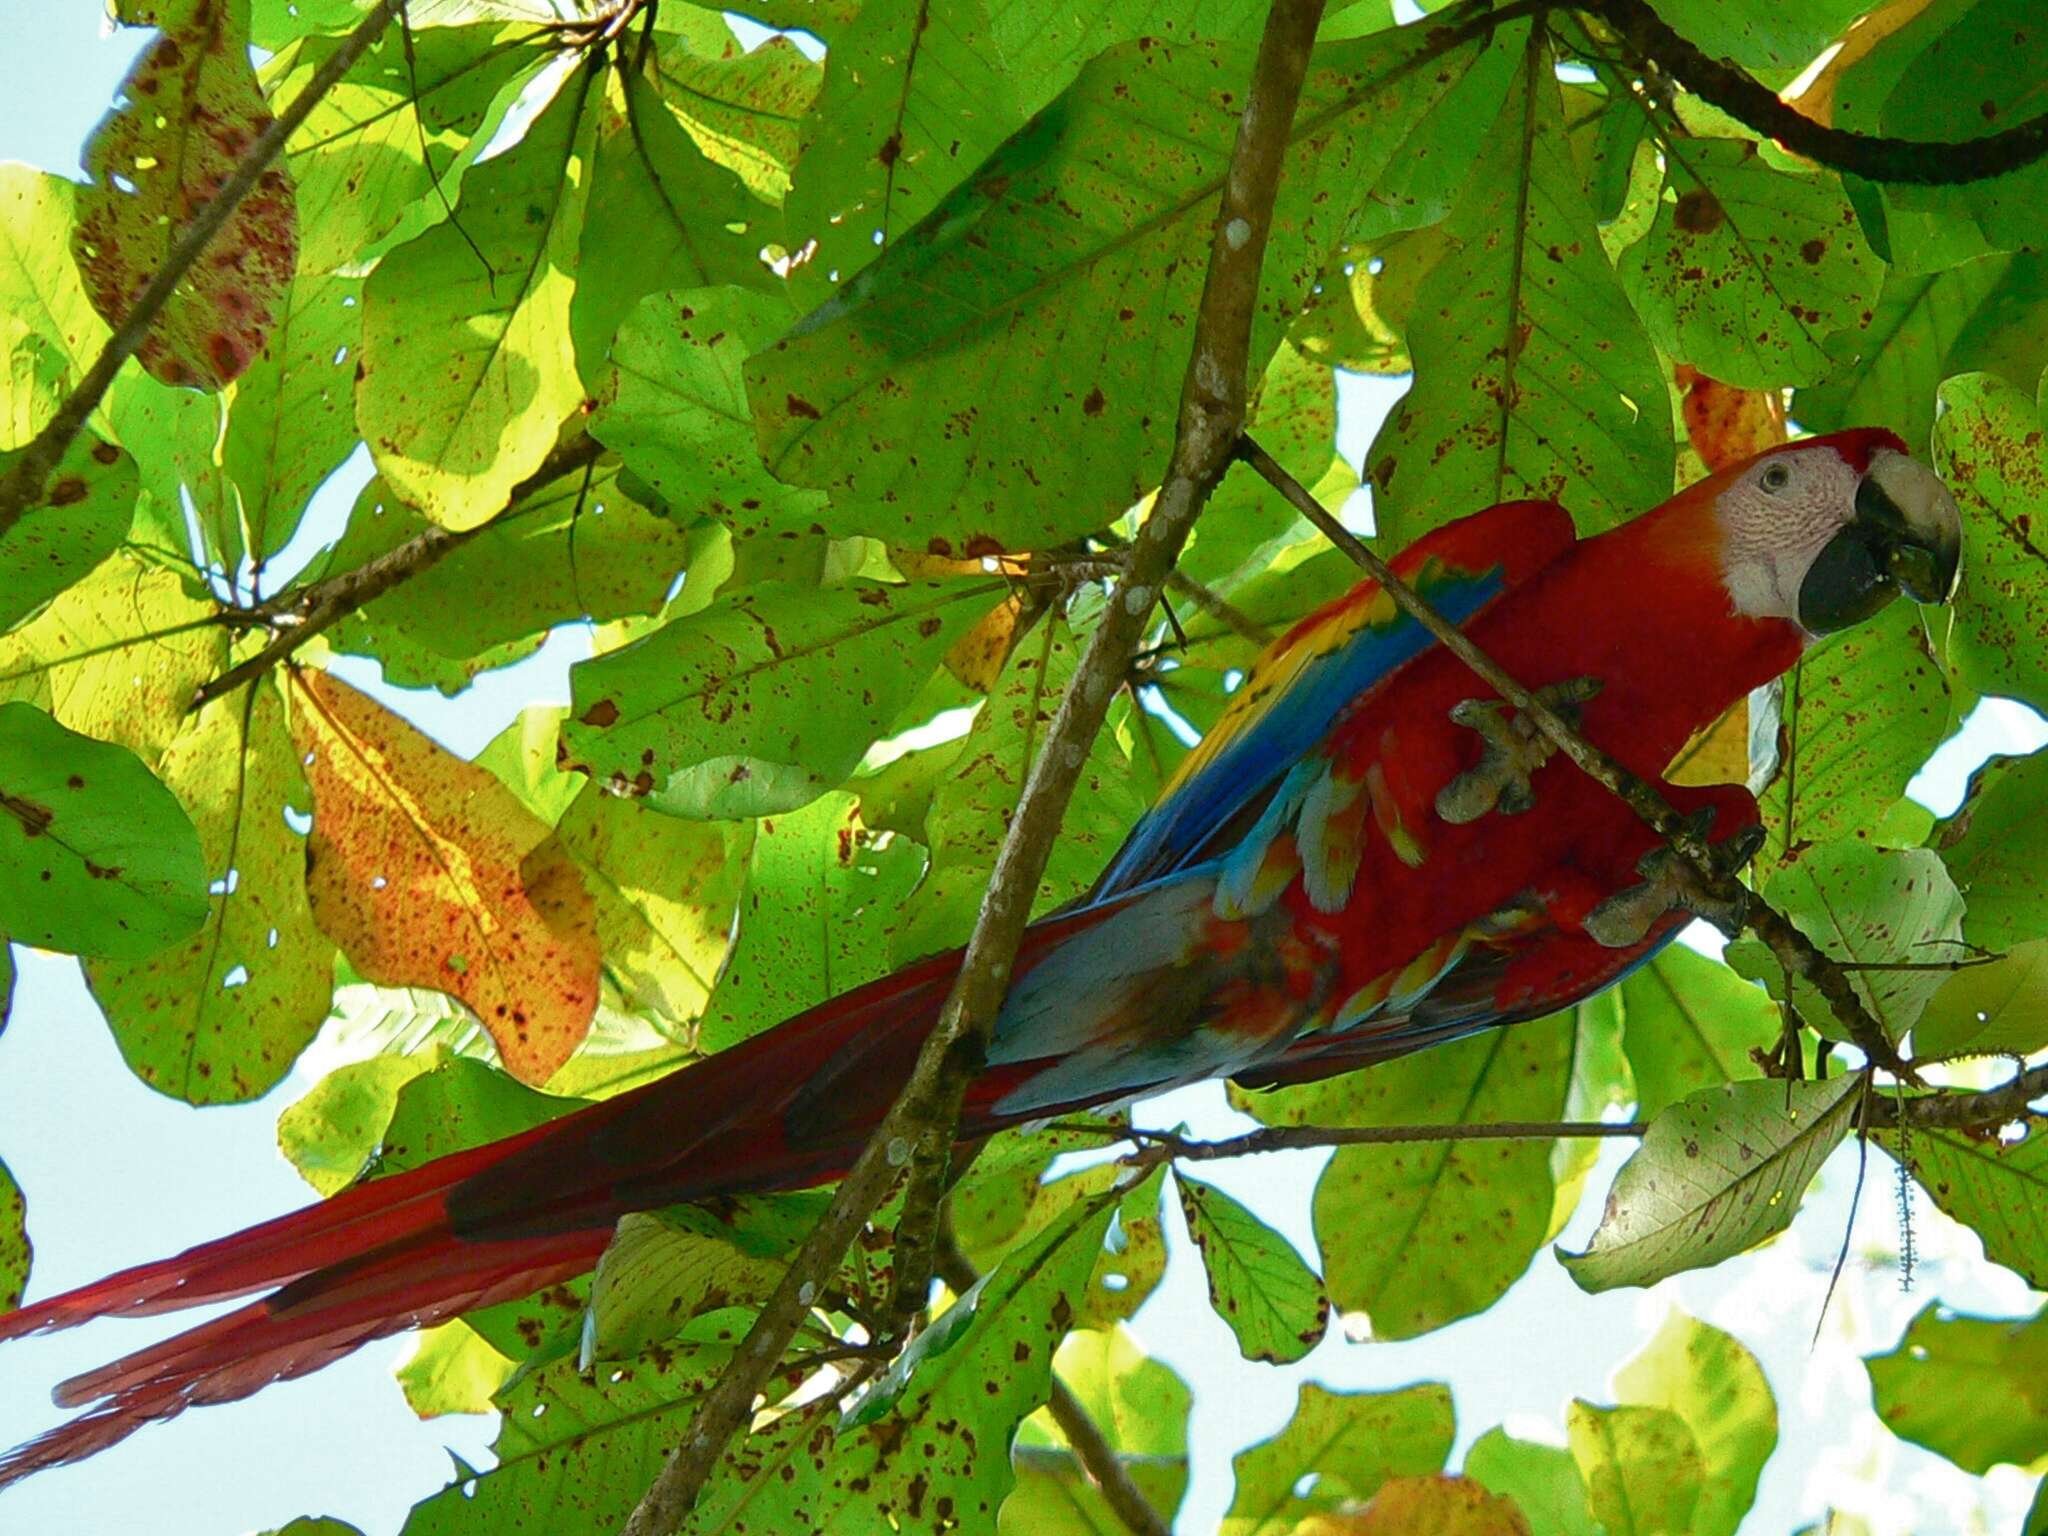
(1875, 157)
(925, 1116)
(22, 486)
(1794, 951)
(298, 616)
(1952, 1110)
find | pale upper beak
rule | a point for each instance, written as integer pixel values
(1907, 535)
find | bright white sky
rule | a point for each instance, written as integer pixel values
(116, 1174)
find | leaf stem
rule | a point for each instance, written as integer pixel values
(22, 486)
(924, 1119)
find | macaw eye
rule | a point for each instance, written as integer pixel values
(1775, 478)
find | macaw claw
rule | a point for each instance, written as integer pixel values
(1515, 748)
(1670, 883)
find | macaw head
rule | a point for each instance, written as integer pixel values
(1827, 530)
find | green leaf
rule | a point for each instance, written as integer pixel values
(43, 288)
(452, 1369)
(291, 418)
(409, 112)
(458, 1105)
(1987, 71)
(1351, 1442)
(661, 214)
(1748, 268)
(186, 114)
(1543, 1480)
(579, 547)
(1003, 1197)
(1642, 1467)
(1862, 712)
(664, 1268)
(675, 408)
(332, 1133)
(576, 1453)
(1869, 907)
(1533, 377)
(1140, 1406)
(766, 698)
(1994, 846)
(1690, 1023)
(2000, 1008)
(15, 1252)
(308, 1525)
(745, 109)
(823, 898)
(1973, 1389)
(1258, 1284)
(220, 1017)
(1886, 372)
(96, 856)
(1988, 448)
(117, 655)
(1716, 1386)
(2037, 1512)
(1078, 239)
(1997, 1189)
(1719, 1171)
(80, 519)
(1415, 1235)
(467, 369)
(956, 1396)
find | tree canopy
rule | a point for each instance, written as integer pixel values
(829, 378)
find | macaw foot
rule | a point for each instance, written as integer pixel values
(1671, 884)
(1515, 748)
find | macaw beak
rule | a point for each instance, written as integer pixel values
(1907, 535)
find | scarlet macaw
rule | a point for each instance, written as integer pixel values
(1338, 874)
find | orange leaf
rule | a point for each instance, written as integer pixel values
(428, 872)
(1725, 424)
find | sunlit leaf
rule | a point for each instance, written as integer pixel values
(1543, 1480)
(1642, 1467)
(78, 521)
(1426, 1506)
(1258, 1284)
(745, 109)
(1994, 846)
(1346, 1445)
(1773, 39)
(452, 1369)
(96, 856)
(1999, 1008)
(664, 1268)
(1973, 1389)
(1717, 1387)
(763, 700)
(422, 869)
(1719, 1171)
(220, 1017)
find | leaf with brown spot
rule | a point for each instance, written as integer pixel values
(1354, 1443)
(15, 1252)
(220, 1017)
(1272, 1301)
(193, 109)
(423, 870)
(1425, 1506)
(82, 517)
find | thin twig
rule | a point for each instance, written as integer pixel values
(1655, 48)
(22, 486)
(1794, 951)
(924, 1118)
(1090, 1445)
(1168, 1146)
(298, 616)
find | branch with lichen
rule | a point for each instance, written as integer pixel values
(923, 1121)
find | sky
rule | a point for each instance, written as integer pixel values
(117, 1174)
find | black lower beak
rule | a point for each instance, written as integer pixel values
(1880, 553)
